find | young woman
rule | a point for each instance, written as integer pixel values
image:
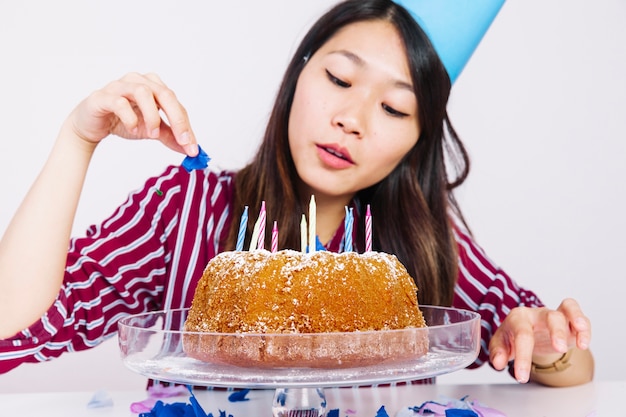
(360, 118)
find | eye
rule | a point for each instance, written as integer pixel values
(337, 81)
(393, 112)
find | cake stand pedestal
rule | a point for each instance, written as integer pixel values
(300, 402)
(151, 344)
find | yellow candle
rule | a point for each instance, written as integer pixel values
(312, 225)
(303, 234)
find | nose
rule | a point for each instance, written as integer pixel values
(351, 119)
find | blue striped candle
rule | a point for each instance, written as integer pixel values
(243, 224)
(348, 225)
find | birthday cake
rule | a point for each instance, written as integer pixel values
(288, 308)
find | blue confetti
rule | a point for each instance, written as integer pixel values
(191, 409)
(318, 244)
(453, 408)
(281, 398)
(458, 412)
(239, 395)
(199, 161)
(100, 399)
(333, 413)
(382, 412)
(162, 409)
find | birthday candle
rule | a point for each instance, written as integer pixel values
(303, 235)
(275, 237)
(262, 221)
(312, 225)
(368, 230)
(348, 224)
(242, 229)
(255, 235)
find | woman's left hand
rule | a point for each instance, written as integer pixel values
(539, 335)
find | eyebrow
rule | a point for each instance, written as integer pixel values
(357, 60)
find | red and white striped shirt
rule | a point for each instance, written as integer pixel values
(150, 254)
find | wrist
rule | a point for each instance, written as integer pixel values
(69, 137)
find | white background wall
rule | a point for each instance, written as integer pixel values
(540, 106)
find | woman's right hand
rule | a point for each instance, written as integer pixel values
(33, 250)
(131, 108)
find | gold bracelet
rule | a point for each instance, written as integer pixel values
(557, 366)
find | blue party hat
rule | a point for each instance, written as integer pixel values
(455, 27)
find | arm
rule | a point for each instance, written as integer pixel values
(34, 247)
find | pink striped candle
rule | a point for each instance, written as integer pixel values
(312, 225)
(368, 230)
(262, 219)
(275, 237)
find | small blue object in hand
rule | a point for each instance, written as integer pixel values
(199, 161)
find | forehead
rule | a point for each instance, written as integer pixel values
(375, 42)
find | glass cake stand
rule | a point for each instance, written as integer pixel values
(298, 366)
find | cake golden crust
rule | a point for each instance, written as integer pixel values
(264, 298)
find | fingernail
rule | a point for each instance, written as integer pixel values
(154, 133)
(561, 345)
(584, 343)
(523, 375)
(191, 149)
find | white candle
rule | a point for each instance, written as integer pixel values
(303, 234)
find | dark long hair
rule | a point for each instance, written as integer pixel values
(411, 207)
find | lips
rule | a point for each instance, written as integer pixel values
(337, 151)
(334, 157)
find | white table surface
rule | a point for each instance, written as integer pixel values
(598, 398)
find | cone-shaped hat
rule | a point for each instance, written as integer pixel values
(455, 27)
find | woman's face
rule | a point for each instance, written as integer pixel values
(354, 113)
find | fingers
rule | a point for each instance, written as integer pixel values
(579, 324)
(515, 339)
(527, 333)
(499, 354)
(177, 117)
(151, 101)
(558, 329)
